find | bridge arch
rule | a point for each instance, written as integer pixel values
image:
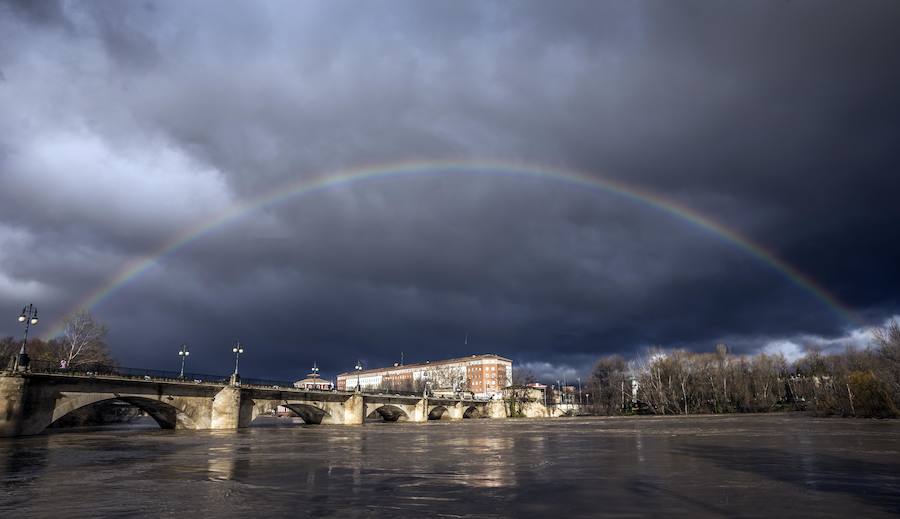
(472, 412)
(439, 413)
(388, 413)
(308, 412)
(166, 415)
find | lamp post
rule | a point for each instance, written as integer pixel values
(580, 400)
(237, 349)
(358, 368)
(183, 353)
(29, 318)
(561, 396)
(314, 373)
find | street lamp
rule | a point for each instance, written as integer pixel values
(315, 375)
(237, 350)
(183, 353)
(358, 368)
(580, 400)
(561, 395)
(28, 317)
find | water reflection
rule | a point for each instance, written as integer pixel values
(495, 471)
(221, 462)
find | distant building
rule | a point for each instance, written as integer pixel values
(528, 392)
(556, 394)
(544, 391)
(314, 382)
(484, 376)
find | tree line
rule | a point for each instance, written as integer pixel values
(864, 383)
(82, 343)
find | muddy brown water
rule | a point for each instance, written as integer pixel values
(729, 466)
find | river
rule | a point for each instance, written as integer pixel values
(729, 466)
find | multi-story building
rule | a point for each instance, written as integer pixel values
(485, 376)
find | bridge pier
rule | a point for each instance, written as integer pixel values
(12, 404)
(457, 411)
(420, 412)
(496, 409)
(355, 410)
(227, 409)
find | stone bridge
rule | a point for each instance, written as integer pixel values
(30, 402)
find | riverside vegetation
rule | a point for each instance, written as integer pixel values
(82, 343)
(862, 383)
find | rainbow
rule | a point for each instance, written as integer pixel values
(398, 170)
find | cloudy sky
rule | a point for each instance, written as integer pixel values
(124, 125)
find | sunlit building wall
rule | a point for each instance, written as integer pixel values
(485, 376)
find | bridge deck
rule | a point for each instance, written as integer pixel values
(266, 388)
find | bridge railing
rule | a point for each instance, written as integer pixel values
(120, 371)
(152, 374)
(267, 383)
(391, 392)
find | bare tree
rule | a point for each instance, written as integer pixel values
(83, 341)
(523, 377)
(654, 381)
(448, 378)
(9, 348)
(887, 344)
(767, 376)
(722, 365)
(608, 383)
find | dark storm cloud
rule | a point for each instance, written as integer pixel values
(123, 124)
(41, 12)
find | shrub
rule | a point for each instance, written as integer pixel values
(871, 397)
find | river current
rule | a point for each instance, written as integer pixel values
(728, 466)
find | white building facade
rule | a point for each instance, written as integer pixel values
(483, 376)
